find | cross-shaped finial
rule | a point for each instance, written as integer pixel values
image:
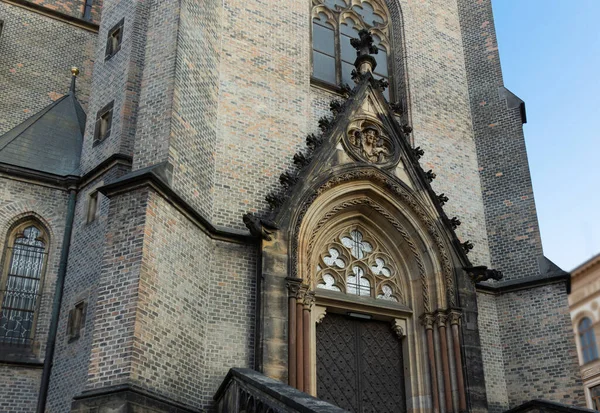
(364, 49)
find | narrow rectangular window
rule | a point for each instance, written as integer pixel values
(92, 207)
(76, 321)
(87, 9)
(103, 123)
(114, 39)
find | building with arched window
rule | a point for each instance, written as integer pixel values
(271, 206)
(584, 302)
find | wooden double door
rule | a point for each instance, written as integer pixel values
(359, 365)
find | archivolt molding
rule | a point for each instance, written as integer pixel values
(378, 177)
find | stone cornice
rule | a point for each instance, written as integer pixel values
(155, 178)
(527, 283)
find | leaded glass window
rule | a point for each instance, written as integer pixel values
(356, 263)
(335, 22)
(589, 349)
(19, 291)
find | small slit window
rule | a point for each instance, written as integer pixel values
(76, 321)
(87, 10)
(92, 206)
(113, 42)
(103, 123)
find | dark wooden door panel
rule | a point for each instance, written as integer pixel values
(381, 369)
(337, 375)
(359, 365)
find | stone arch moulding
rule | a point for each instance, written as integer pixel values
(320, 205)
(409, 229)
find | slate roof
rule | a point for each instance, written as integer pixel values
(49, 141)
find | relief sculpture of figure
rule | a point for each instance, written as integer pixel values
(371, 145)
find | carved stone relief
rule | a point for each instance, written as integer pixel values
(366, 141)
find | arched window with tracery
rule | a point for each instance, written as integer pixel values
(587, 339)
(334, 23)
(355, 262)
(24, 262)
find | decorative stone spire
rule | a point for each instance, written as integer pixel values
(364, 49)
(74, 74)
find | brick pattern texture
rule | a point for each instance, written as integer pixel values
(72, 8)
(19, 387)
(540, 357)
(36, 53)
(71, 358)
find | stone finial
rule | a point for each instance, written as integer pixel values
(467, 246)
(364, 49)
(74, 74)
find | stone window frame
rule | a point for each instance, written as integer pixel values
(335, 19)
(589, 348)
(14, 233)
(92, 206)
(114, 40)
(76, 320)
(103, 124)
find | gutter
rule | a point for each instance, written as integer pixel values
(60, 282)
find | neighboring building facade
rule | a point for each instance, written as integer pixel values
(584, 302)
(227, 202)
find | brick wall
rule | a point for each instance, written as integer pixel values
(540, 355)
(511, 218)
(71, 359)
(19, 386)
(36, 53)
(117, 79)
(491, 349)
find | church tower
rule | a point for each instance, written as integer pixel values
(330, 194)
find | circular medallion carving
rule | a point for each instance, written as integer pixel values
(366, 142)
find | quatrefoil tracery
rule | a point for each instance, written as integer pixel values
(355, 263)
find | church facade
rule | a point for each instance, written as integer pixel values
(334, 194)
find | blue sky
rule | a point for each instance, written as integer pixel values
(550, 54)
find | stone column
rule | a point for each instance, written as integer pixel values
(454, 316)
(427, 320)
(293, 285)
(309, 300)
(441, 319)
(300, 337)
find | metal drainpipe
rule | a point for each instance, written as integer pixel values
(60, 281)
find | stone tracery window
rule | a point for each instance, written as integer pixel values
(20, 284)
(335, 22)
(355, 262)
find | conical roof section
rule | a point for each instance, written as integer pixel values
(49, 141)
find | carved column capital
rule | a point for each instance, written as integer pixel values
(309, 300)
(454, 317)
(293, 286)
(441, 318)
(398, 327)
(428, 320)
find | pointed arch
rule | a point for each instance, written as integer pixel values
(375, 192)
(21, 281)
